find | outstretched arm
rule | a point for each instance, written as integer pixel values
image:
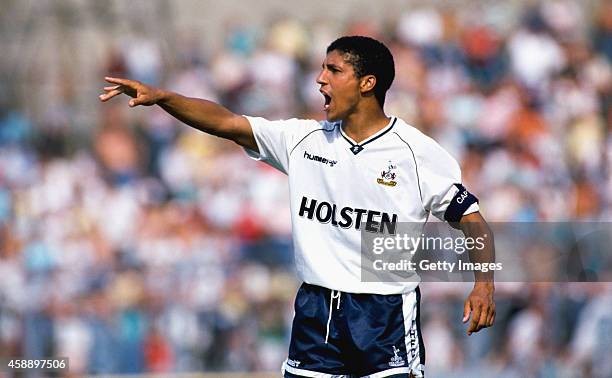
(203, 115)
(480, 302)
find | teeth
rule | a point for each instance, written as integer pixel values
(328, 100)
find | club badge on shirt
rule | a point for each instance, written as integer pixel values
(387, 177)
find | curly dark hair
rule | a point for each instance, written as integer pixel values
(368, 57)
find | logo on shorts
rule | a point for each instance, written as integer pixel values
(396, 360)
(293, 363)
(387, 177)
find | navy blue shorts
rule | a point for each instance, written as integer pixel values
(355, 335)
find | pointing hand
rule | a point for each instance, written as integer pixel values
(141, 94)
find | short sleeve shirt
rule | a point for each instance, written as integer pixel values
(339, 187)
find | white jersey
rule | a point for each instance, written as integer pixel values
(338, 186)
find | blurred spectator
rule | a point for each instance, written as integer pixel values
(145, 246)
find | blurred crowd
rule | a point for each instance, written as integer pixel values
(146, 246)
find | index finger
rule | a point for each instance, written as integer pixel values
(116, 80)
(484, 315)
(475, 318)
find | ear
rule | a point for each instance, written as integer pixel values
(367, 83)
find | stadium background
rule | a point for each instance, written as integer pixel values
(132, 244)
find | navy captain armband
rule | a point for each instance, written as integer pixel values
(459, 204)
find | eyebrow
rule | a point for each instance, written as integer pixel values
(330, 66)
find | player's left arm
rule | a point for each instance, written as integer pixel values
(480, 302)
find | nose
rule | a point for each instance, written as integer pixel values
(321, 79)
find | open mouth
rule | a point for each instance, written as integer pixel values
(327, 101)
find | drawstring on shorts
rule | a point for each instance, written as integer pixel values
(333, 295)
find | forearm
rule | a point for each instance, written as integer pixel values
(203, 115)
(480, 303)
(476, 228)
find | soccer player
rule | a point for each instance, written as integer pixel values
(342, 325)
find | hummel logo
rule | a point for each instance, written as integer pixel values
(320, 159)
(356, 149)
(293, 363)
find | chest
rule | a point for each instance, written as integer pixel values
(328, 166)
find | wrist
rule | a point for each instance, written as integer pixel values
(163, 97)
(488, 285)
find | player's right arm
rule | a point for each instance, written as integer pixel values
(203, 115)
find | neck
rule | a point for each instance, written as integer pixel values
(364, 123)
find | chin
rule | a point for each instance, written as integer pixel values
(332, 117)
